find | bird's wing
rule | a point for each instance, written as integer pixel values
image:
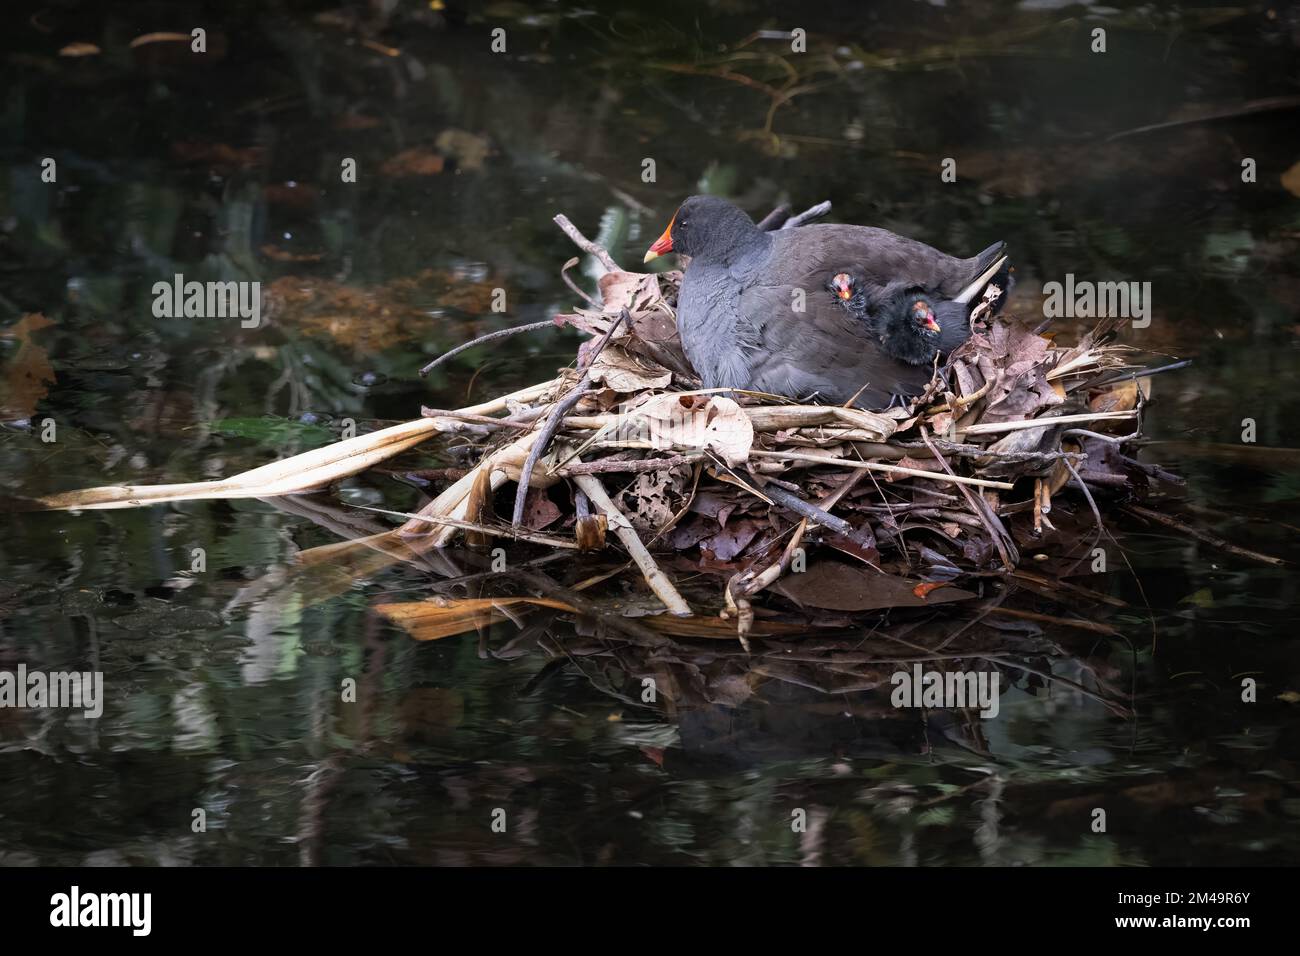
(811, 255)
(822, 350)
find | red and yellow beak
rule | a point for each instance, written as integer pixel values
(843, 285)
(663, 244)
(925, 316)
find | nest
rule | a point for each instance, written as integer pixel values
(753, 515)
(814, 548)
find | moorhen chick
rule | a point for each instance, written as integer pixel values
(738, 308)
(911, 325)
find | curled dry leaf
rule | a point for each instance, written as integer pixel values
(1121, 397)
(626, 373)
(692, 422)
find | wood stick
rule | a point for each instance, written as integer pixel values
(635, 466)
(562, 408)
(551, 426)
(746, 584)
(586, 245)
(654, 577)
(876, 466)
(503, 402)
(997, 533)
(979, 451)
(807, 511)
(546, 539)
(992, 428)
(1211, 539)
(491, 336)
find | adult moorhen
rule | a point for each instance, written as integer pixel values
(738, 311)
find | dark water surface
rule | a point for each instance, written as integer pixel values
(223, 687)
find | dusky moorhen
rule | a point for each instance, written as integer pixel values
(738, 310)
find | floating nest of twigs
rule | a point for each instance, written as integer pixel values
(755, 516)
(828, 545)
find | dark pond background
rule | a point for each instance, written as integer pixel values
(223, 690)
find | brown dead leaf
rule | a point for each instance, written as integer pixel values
(633, 291)
(627, 373)
(27, 377)
(646, 501)
(219, 157)
(539, 510)
(147, 38)
(1121, 397)
(431, 620)
(836, 586)
(731, 540)
(469, 150)
(276, 254)
(416, 161)
(1291, 180)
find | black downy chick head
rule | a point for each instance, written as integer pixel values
(912, 327)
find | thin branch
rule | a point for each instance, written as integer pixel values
(635, 466)
(564, 274)
(998, 534)
(490, 337)
(586, 245)
(1211, 539)
(556, 417)
(551, 426)
(992, 428)
(979, 451)
(808, 511)
(877, 466)
(654, 577)
(448, 521)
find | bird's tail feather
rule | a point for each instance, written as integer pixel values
(968, 294)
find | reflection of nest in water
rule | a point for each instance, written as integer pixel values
(820, 673)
